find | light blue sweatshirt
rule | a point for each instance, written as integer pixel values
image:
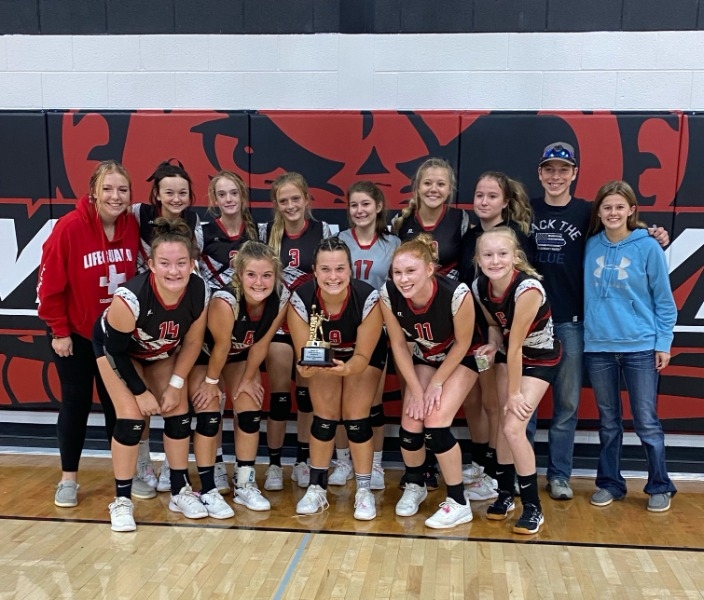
(628, 303)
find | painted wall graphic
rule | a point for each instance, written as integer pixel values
(46, 159)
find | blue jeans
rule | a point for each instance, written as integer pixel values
(606, 370)
(566, 391)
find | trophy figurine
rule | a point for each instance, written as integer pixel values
(316, 352)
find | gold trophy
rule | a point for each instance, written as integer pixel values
(316, 352)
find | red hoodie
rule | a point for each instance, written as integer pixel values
(81, 268)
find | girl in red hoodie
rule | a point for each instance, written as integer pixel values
(90, 251)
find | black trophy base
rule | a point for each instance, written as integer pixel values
(316, 356)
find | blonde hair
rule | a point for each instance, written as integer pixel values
(414, 202)
(277, 229)
(521, 263)
(618, 188)
(103, 169)
(253, 250)
(422, 246)
(249, 225)
(518, 208)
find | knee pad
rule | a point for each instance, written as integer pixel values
(410, 441)
(178, 427)
(280, 406)
(376, 416)
(358, 430)
(128, 432)
(323, 429)
(439, 439)
(303, 400)
(208, 423)
(249, 421)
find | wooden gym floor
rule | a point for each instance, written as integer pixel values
(620, 551)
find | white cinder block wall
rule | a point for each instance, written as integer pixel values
(511, 71)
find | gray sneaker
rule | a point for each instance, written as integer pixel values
(66, 494)
(659, 502)
(142, 490)
(559, 489)
(602, 498)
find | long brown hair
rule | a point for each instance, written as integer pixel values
(249, 224)
(518, 208)
(374, 192)
(619, 188)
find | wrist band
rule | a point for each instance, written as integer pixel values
(211, 381)
(176, 382)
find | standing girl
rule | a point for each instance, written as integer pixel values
(171, 197)
(146, 343)
(352, 324)
(516, 308)
(371, 248)
(89, 252)
(436, 314)
(242, 321)
(232, 226)
(293, 235)
(628, 323)
(498, 200)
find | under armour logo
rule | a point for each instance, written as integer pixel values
(621, 267)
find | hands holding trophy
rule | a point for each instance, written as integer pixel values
(316, 352)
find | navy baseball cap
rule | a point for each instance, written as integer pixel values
(559, 151)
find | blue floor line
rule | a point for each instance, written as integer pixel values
(291, 567)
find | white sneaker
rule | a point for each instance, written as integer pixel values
(188, 503)
(450, 514)
(472, 473)
(221, 482)
(314, 500)
(274, 478)
(378, 482)
(342, 472)
(164, 482)
(301, 474)
(251, 497)
(145, 471)
(413, 495)
(484, 489)
(122, 515)
(141, 489)
(216, 506)
(364, 505)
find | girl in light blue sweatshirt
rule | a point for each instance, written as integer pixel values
(629, 316)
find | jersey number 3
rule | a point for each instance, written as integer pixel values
(295, 256)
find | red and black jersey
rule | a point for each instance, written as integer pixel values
(219, 248)
(541, 347)
(247, 330)
(447, 233)
(297, 251)
(430, 327)
(159, 328)
(145, 215)
(341, 328)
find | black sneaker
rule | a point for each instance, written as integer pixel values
(431, 478)
(530, 521)
(498, 510)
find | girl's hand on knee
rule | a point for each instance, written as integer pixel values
(519, 406)
(415, 406)
(254, 389)
(170, 399)
(205, 394)
(147, 404)
(431, 397)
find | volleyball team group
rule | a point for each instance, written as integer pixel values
(169, 315)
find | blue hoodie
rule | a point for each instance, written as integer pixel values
(628, 303)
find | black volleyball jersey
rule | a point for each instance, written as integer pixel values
(541, 347)
(219, 248)
(145, 215)
(447, 233)
(297, 251)
(430, 327)
(246, 330)
(341, 329)
(159, 328)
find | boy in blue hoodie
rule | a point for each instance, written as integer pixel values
(629, 318)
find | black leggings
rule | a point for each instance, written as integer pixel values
(76, 374)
